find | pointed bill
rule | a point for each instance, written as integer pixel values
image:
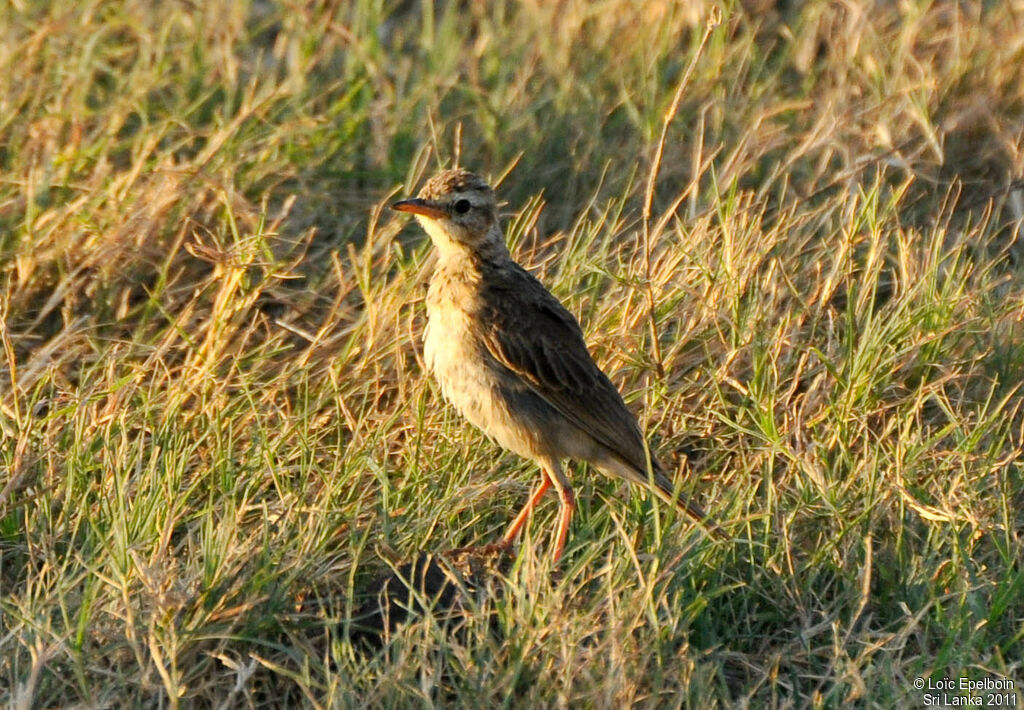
(419, 206)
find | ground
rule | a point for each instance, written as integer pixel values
(791, 237)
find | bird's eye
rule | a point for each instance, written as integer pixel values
(462, 206)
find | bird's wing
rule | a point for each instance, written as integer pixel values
(528, 331)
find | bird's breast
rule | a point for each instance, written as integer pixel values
(457, 359)
(483, 390)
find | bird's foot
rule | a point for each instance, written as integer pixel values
(491, 550)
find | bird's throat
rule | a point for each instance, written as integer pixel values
(467, 249)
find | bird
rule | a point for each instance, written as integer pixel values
(513, 361)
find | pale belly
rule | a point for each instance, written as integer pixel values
(487, 394)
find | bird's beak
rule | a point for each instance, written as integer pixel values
(420, 207)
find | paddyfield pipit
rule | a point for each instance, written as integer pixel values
(512, 359)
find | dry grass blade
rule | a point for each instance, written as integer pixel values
(216, 431)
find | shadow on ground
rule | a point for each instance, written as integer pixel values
(450, 585)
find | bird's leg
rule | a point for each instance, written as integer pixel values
(568, 500)
(524, 514)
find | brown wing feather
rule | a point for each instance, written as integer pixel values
(535, 337)
(538, 339)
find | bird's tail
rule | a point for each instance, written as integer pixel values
(664, 489)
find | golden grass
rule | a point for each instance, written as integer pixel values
(804, 270)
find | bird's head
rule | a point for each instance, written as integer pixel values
(458, 210)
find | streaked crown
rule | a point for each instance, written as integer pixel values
(456, 180)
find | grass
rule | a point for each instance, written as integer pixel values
(214, 407)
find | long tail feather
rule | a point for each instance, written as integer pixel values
(689, 506)
(665, 490)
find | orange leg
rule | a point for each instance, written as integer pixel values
(524, 514)
(568, 506)
(568, 500)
